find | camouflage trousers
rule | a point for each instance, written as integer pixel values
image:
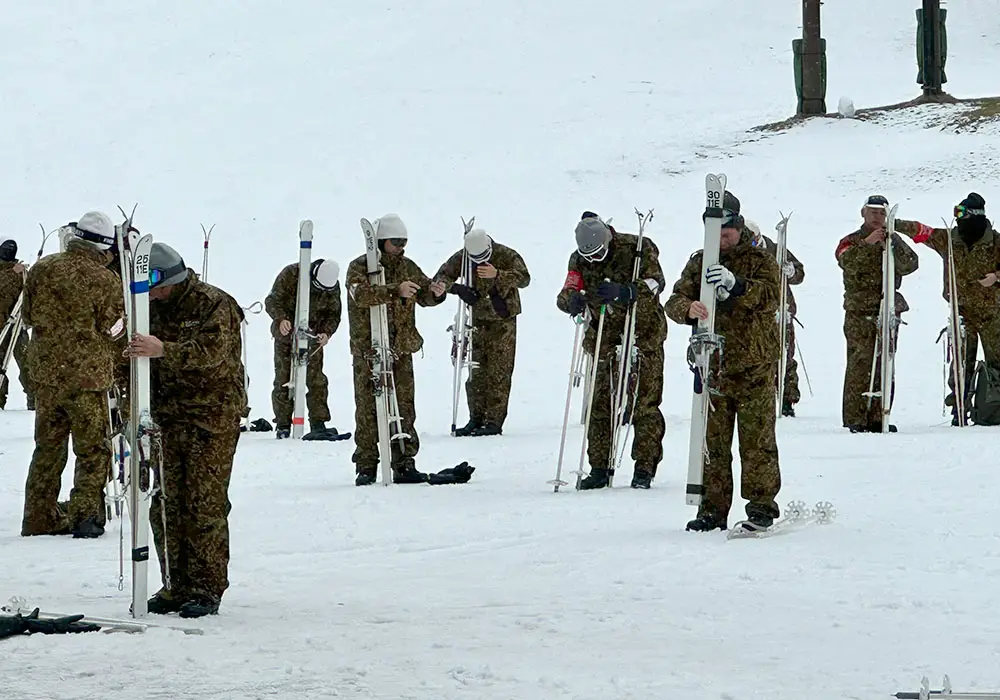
(317, 386)
(792, 395)
(977, 330)
(197, 465)
(861, 332)
(21, 357)
(366, 454)
(488, 387)
(60, 412)
(648, 426)
(746, 403)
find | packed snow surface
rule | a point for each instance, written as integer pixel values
(253, 116)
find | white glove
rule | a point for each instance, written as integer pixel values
(723, 279)
(788, 269)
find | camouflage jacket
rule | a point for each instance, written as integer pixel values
(324, 307)
(586, 277)
(11, 284)
(771, 246)
(747, 322)
(362, 295)
(199, 378)
(971, 264)
(862, 266)
(499, 297)
(73, 304)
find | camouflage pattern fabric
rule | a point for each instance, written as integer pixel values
(792, 395)
(747, 400)
(60, 411)
(487, 389)
(317, 386)
(197, 465)
(198, 400)
(647, 419)
(324, 318)
(499, 297)
(861, 333)
(366, 453)
(861, 264)
(747, 322)
(362, 295)
(744, 378)
(199, 379)
(765, 243)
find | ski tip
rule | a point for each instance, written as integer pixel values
(306, 228)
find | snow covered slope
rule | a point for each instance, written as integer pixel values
(523, 114)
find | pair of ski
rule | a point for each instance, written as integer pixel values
(301, 337)
(462, 331)
(887, 324)
(624, 381)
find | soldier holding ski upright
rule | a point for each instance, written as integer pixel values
(324, 319)
(11, 284)
(795, 272)
(976, 249)
(495, 302)
(406, 286)
(859, 255)
(599, 276)
(74, 306)
(747, 285)
(197, 401)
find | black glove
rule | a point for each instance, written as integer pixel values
(261, 425)
(576, 304)
(499, 304)
(613, 292)
(467, 294)
(18, 624)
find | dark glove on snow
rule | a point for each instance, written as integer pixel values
(18, 624)
(576, 304)
(613, 292)
(467, 294)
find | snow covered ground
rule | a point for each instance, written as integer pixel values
(523, 114)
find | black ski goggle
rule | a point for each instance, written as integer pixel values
(398, 242)
(964, 212)
(728, 217)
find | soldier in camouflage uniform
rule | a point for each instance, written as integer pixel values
(197, 400)
(74, 307)
(405, 287)
(499, 272)
(859, 255)
(976, 247)
(606, 254)
(747, 284)
(324, 319)
(11, 283)
(795, 272)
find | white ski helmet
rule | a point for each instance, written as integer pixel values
(325, 274)
(95, 228)
(390, 226)
(478, 245)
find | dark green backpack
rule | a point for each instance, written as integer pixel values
(985, 393)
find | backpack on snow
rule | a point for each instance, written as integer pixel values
(985, 394)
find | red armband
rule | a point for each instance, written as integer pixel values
(574, 281)
(844, 244)
(923, 233)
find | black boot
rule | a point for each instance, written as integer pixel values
(88, 529)
(642, 479)
(597, 479)
(317, 426)
(706, 523)
(199, 606)
(365, 477)
(486, 429)
(408, 474)
(31, 403)
(466, 430)
(788, 410)
(162, 603)
(282, 432)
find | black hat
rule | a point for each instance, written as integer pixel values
(730, 203)
(588, 215)
(877, 201)
(8, 250)
(973, 205)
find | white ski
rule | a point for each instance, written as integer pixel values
(797, 517)
(390, 423)
(888, 318)
(704, 342)
(461, 332)
(782, 256)
(956, 333)
(300, 341)
(141, 427)
(204, 260)
(19, 606)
